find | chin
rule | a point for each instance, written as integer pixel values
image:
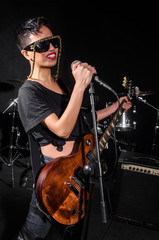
(49, 64)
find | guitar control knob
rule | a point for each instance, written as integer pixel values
(73, 211)
(88, 142)
(88, 169)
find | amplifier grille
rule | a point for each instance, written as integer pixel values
(140, 169)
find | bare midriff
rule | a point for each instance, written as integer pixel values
(51, 151)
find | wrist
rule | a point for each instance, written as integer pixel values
(114, 106)
(79, 88)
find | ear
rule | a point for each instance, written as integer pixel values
(27, 54)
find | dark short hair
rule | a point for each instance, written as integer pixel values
(25, 29)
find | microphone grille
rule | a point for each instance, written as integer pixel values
(75, 61)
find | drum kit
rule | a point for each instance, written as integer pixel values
(125, 130)
(12, 127)
(18, 138)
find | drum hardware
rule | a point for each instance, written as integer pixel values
(127, 121)
(155, 144)
(125, 145)
(13, 142)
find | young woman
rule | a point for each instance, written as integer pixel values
(48, 112)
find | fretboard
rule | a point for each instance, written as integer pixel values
(110, 128)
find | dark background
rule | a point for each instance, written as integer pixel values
(117, 44)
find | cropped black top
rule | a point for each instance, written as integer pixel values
(36, 102)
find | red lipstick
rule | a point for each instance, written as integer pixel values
(52, 55)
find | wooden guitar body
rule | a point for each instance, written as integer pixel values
(61, 190)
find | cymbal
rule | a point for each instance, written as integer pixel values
(5, 87)
(139, 93)
(144, 93)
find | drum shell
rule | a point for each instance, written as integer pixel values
(127, 121)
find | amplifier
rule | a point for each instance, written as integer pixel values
(136, 193)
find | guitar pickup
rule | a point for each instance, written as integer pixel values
(73, 189)
(91, 157)
(80, 184)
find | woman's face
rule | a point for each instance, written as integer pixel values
(45, 59)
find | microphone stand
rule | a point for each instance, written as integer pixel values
(91, 171)
(154, 146)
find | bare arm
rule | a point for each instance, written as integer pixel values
(103, 113)
(64, 125)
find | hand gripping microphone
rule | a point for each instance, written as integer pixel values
(97, 79)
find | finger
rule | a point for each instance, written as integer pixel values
(84, 64)
(123, 98)
(127, 105)
(89, 67)
(94, 70)
(75, 65)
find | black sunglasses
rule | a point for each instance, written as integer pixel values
(43, 44)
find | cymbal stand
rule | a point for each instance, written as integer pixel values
(154, 144)
(12, 158)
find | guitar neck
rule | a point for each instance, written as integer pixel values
(109, 130)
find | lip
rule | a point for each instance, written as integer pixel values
(52, 55)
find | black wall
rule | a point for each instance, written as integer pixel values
(116, 44)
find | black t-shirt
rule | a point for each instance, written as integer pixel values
(36, 102)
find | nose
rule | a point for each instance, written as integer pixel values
(51, 47)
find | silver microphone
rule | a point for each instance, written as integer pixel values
(96, 79)
(75, 61)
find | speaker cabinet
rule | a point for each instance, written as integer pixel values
(137, 189)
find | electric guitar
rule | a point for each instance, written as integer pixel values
(62, 189)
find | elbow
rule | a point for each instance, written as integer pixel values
(63, 134)
(60, 131)
(58, 127)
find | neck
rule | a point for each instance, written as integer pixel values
(42, 74)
